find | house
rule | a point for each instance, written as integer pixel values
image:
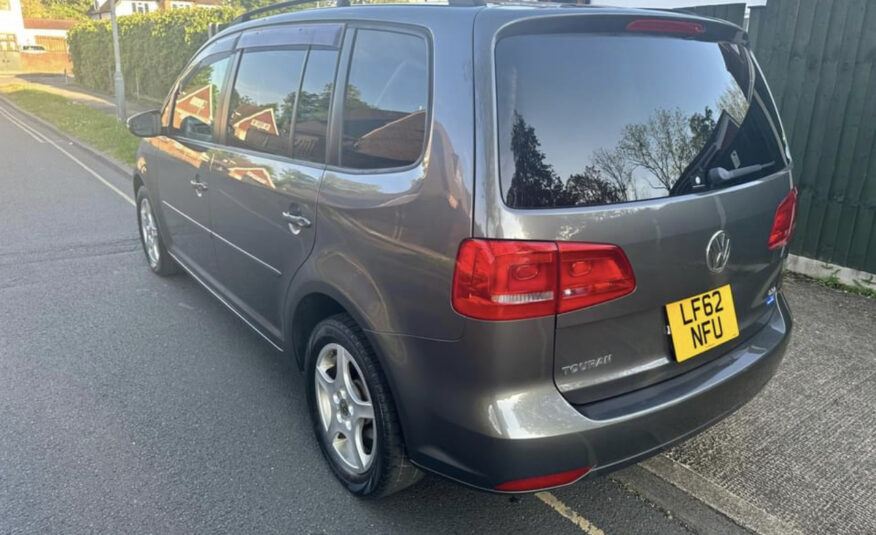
(101, 9)
(51, 34)
(11, 35)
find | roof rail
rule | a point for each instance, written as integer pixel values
(249, 15)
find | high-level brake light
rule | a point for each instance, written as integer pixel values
(666, 26)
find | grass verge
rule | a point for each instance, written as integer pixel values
(98, 129)
(866, 288)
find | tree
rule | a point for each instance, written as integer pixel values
(534, 183)
(664, 145)
(248, 5)
(619, 169)
(734, 102)
(701, 126)
(32, 9)
(588, 188)
(55, 9)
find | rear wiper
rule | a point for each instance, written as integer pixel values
(719, 175)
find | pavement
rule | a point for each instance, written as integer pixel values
(804, 450)
(66, 86)
(132, 403)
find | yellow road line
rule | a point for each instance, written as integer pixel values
(567, 512)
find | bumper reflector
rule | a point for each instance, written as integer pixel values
(543, 482)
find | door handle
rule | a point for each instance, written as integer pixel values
(200, 187)
(296, 222)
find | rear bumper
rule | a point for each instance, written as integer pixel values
(480, 421)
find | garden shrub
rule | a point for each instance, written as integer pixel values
(154, 48)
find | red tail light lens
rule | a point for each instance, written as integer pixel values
(592, 273)
(506, 280)
(543, 482)
(783, 223)
(666, 26)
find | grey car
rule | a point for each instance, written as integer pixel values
(513, 245)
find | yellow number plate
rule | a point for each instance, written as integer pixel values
(702, 322)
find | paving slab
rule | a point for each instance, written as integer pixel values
(804, 450)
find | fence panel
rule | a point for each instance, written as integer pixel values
(735, 13)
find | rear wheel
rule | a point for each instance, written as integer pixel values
(353, 414)
(156, 254)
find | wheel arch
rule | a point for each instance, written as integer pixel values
(315, 301)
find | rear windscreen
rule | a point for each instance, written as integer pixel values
(593, 119)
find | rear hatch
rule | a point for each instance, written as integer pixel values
(655, 133)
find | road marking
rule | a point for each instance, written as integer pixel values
(91, 171)
(567, 512)
(20, 124)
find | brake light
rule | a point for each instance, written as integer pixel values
(543, 482)
(507, 279)
(666, 26)
(783, 222)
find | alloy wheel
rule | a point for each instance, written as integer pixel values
(149, 232)
(345, 408)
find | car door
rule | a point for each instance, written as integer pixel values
(264, 183)
(183, 161)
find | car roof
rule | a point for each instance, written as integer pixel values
(427, 14)
(407, 12)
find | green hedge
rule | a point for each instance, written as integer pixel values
(154, 47)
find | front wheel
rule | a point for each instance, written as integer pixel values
(352, 410)
(156, 254)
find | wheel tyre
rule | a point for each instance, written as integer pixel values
(390, 470)
(161, 264)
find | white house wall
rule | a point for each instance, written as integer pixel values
(12, 22)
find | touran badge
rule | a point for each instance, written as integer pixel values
(718, 252)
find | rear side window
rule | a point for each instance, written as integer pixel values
(311, 119)
(627, 117)
(197, 102)
(263, 100)
(385, 101)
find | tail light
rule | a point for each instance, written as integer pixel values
(543, 482)
(592, 273)
(681, 27)
(783, 222)
(506, 279)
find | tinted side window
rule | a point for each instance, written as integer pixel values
(385, 103)
(311, 120)
(198, 101)
(263, 100)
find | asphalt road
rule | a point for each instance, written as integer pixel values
(132, 403)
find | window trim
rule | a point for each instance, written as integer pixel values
(333, 161)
